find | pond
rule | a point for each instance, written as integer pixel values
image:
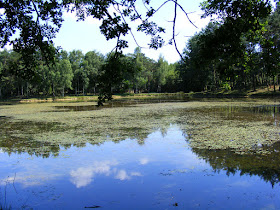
(171, 155)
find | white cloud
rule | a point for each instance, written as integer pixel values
(27, 180)
(136, 174)
(144, 161)
(122, 175)
(241, 184)
(83, 176)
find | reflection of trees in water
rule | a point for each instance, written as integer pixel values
(19, 146)
(248, 114)
(9, 143)
(31, 147)
(265, 166)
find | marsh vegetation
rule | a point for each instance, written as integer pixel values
(160, 152)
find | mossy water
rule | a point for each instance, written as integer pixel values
(149, 155)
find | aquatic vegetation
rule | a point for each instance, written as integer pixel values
(208, 125)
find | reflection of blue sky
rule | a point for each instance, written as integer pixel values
(163, 171)
(84, 164)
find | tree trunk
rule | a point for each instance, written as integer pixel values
(22, 90)
(78, 86)
(274, 88)
(53, 90)
(254, 82)
(63, 91)
(27, 89)
(267, 84)
(159, 89)
(136, 89)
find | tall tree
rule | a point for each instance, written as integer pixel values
(65, 75)
(39, 21)
(92, 65)
(160, 73)
(76, 58)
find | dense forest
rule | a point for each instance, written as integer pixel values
(220, 57)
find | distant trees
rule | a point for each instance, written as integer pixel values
(79, 74)
(225, 55)
(212, 60)
(32, 25)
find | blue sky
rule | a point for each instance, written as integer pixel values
(85, 35)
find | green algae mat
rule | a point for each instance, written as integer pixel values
(247, 126)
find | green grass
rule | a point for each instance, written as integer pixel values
(259, 93)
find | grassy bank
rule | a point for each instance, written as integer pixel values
(259, 93)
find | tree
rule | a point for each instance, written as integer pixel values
(65, 75)
(160, 73)
(92, 65)
(38, 21)
(172, 79)
(112, 74)
(76, 58)
(270, 45)
(31, 25)
(236, 19)
(139, 77)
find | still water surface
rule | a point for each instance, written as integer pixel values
(164, 172)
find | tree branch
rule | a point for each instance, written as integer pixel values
(175, 1)
(174, 28)
(187, 15)
(37, 12)
(118, 10)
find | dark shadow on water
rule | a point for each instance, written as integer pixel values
(265, 166)
(119, 103)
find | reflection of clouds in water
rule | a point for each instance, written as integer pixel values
(123, 175)
(144, 161)
(28, 180)
(191, 160)
(241, 184)
(83, 176)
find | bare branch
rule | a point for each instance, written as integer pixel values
(162, 5)
(118, 10)
(175, 1)
(145, 5)
(37, 12)
(139, 16)
(174, 28)
(187, 14)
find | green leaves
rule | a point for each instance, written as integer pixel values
(37, 23)
(238, 18)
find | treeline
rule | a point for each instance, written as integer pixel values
(222, 56)
(226, 56)
(76, 73)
